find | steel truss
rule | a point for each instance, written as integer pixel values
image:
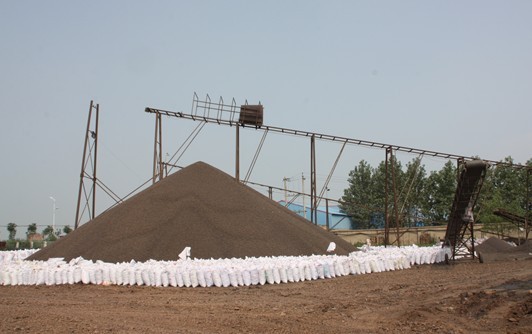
(220, 113)
(88, 179)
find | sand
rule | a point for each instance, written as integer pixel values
(494, 249)
(199, 207)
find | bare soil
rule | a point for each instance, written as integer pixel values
(463, 297)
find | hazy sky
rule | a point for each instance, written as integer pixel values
(449, 76)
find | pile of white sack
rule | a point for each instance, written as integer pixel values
(207, 273)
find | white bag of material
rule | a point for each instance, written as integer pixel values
(255, 276)
(13, 278)
(185, 253)
(119, 276)
(98, 276)
(308, 275)
(132, 279)
(186, 278)
(276, 275)
(262, 276)
(295, 273)
(269, 276)
(164, 278)
(49, 278)
(217, 278)
(6, 278)
(433, 257)
(418, 258)
(352, 269)
(224, 275)
(25, 275)
(151, 273)
(313, 271)
(92, 276)
(40, 277)
(345, 266)
(157, 275)
(70, 276)
(208, 278)
(282, 274)
(290, 274)
(171, 278)
(239, 277)
(232, 278)
(106, 271)
(373, 266)
(368, 267)
(64, 275)
(332, 269)
(85, 279)
(326, 269)
(179, 278)
(301, 269)
(201, 278)
(144, 277)
(319, 270)
(338, 269)
(246, 277)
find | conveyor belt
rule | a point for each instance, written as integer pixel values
(467, 191)
(516, 219)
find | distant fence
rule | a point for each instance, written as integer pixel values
(409, 236)
(23, 244)
(416, 235)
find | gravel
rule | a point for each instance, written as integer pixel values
(200, 207)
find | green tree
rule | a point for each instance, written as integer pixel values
(364, 199)
(48, 233)
(32, 229)
(358, 198)
(67, 229)
(439, 193)
(12, 229)
(504, 188)
(412, 193)
(395, 171)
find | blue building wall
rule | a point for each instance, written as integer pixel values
(337, 219)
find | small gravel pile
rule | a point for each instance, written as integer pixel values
(494, 249)
(199, 207)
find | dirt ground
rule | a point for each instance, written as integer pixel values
(463, 297)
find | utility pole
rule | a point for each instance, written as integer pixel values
(53, 215)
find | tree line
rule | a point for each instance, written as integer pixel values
(48, 232)
(423, 198)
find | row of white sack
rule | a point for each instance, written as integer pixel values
(221, 272)
(15, 255)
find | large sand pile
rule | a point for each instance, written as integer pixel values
(201, 207)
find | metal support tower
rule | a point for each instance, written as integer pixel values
(158, 150)
(390, 168)
(88, 167)
(313, 194)
(459, 235)
(237, 154)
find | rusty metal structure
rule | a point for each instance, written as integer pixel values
(251, 117)
(88, 161)
(517, 220)
(460, 234)
(88, 179)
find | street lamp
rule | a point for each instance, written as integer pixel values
(53, 215)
